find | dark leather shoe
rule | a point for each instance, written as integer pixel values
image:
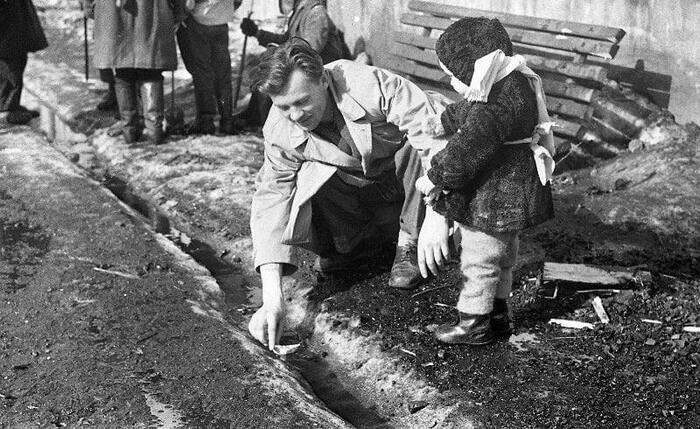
(19, 117)
(201, 126)
(405, 273)
(108, 102)
(472, 329)
(370, 256)
(227, 126)
(500, 319)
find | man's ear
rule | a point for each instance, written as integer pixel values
(324, 81)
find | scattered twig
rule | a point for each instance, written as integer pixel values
(694, 329)
(439, 304)
(116, 273)
(598, 291)
(146, 337)
(428, 290)
(408, 352)
(571, 324)
(655, 322)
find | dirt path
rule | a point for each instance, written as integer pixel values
(106, 324)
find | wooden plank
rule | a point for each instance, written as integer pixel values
(598, 48)
(566, 128)
(562, 106)
(578, 71)
(586, 274)
(591, 31)
(536, 62)
(414, 40)
(415, 69)
(568, 90)
(417, 54)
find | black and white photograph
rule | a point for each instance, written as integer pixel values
(449, 214)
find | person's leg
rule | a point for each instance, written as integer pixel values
(405, 273)
(344, 232)
(221, 64)
(109, 101)
(500, 315)
(480, 263)
(195, 49)
(11, 76)
(126, 89)
(151, 88)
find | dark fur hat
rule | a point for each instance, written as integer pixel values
(469, 39)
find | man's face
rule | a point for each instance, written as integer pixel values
(304, 100)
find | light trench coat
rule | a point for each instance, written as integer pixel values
(381, 110)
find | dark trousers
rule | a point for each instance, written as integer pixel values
(107, 76)
(11, 72)
(204, 50)
(347, 217)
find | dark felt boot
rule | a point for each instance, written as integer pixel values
(472, 329)
(108, 102)
(500, 318)
(153, 110)
(129, 126)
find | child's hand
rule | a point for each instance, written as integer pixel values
(424, 185)
(432, 125)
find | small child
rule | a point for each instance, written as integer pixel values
(203, 41)
(486, 179)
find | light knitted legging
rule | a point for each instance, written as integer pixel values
(486, 263)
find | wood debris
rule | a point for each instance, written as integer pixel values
(589, 274)
(573, 324)
(600, 310)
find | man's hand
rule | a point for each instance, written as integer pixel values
(249, 27)
(267, 324)
(424, 185)
(433, 245)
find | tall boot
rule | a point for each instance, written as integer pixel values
(129, 126)
(109, 100)
(225, 104)
(153, 110)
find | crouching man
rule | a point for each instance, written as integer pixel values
(339, 172)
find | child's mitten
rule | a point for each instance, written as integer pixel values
(432, 125)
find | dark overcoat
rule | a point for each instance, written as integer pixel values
(491, 185)
(20, 29)
(139, 34)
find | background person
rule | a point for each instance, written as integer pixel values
(308, 20)
(203, 41)
(20, 33)
(137, 39)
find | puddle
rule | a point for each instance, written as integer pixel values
(21, 246)
(523, 340)
(327, 387)
(167, 416)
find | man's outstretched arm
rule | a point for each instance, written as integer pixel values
(267, 324)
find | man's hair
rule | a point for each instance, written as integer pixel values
(276, 65)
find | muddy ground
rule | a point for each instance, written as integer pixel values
(369, 352)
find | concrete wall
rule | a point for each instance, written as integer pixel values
(664, 33)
